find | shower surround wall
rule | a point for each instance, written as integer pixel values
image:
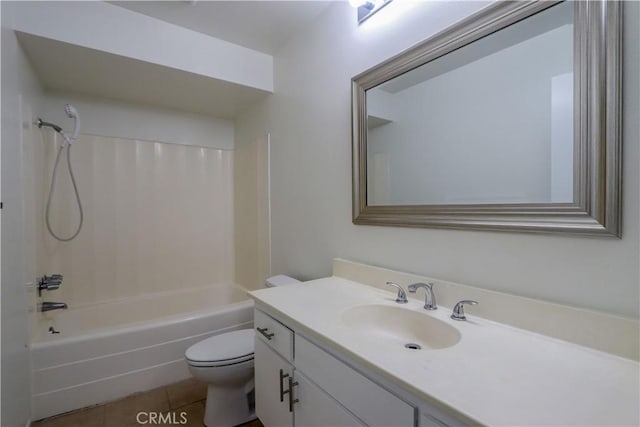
(252, 212)
(158, 217)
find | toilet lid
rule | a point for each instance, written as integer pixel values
(228, 348)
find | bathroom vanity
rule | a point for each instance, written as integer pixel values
(317, 387)
(334, 352)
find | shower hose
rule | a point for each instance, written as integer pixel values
(66, 144)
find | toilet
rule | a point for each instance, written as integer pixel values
(225, 363)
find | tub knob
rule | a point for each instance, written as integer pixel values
(49, 283)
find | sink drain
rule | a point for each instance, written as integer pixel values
(412, 346)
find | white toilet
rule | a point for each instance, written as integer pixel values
(225, 363)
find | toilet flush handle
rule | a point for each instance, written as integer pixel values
(264, 333)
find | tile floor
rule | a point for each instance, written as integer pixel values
(186, 396)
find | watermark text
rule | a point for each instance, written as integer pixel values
(170, 418)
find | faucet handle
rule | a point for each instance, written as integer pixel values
(49, 283)
(458, 310)
(402, 297)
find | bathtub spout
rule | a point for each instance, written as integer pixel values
(48, 306)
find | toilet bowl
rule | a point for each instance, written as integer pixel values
(225, 363)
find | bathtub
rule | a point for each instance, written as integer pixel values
(106, 351)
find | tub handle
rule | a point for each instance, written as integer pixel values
(264, 333)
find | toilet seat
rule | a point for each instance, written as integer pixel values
(218, 363)
(225, 349)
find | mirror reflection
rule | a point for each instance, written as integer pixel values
(490, 123)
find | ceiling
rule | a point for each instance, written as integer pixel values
(263, 26)
(259, 25)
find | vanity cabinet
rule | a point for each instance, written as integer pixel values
(347, 347)
(367, 400)
(273, 367)
(303, 385)
(277, 406)
(270, 384)
(315, 408)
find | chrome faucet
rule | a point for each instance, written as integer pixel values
(401, 298)
(458, 310)
(429, 296)
(48, 306)
(49, 283)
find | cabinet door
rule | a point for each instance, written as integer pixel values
(436, 418)
(316, 409)
(271, 406)
(371, 403)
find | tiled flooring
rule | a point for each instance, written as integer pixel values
(186, 396)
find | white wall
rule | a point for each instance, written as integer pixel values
(111, 118)
(309, 120)
(20, 95)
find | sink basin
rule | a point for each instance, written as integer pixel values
(400, 327)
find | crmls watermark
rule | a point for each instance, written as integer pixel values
(170, 418)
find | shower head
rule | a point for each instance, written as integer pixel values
(73, 114)
(71, 111)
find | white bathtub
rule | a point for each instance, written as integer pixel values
(107, 351)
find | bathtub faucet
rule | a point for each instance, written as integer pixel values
(48, 306)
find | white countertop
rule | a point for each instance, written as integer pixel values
(495, 374)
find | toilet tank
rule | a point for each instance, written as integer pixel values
(280, 280)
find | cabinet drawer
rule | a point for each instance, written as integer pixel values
(274, 334)
(364, 398)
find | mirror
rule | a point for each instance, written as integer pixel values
(512, 89)
(508, 120)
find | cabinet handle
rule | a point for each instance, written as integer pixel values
(290, 391)
(264, 333)
(282, 392)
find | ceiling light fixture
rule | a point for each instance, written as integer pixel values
(367, 8)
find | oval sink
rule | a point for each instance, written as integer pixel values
(400, 326)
